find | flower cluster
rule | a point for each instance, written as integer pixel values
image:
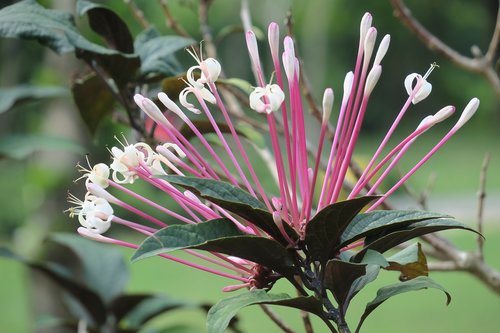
(303, 191)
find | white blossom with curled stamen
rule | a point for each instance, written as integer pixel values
(95, 214)
(125, 161)
(267, 99)
(204, 93)
(210, 70)
(423, 92)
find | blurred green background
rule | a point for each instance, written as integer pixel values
(36, 169)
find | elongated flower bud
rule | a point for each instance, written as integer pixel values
(327, 104)
(469, 111)
(382, 50)
(366, 23)
(370, 38)
(372, 79)
(273, 35)
(348, 81)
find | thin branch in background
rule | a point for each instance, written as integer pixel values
(276, 319)
(480, 207)
(421, 198)
(171, 22)
(479, 63)
(137, 13)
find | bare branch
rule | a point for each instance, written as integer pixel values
(171, 21)
(277, 320)
(480, 207)
(138, 13)
(483, 65)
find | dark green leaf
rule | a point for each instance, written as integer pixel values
(157, 52)
(28, 20)
(152, 307)
(220, 235)
(52, 28)
(106, 276)
(88, 298)
(10, 97)
(379, 221)
(221, 313)
(421, 282)
(324, 230)
(108, 24)
(181, 236)
(93, 99)
(411, 262)
(417, 229)
(234, 200)
(21, 146)
(339, 277)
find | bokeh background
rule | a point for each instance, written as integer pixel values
(40, 143)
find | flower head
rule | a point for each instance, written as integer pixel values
(301, 192)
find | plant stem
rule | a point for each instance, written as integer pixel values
(277, 320)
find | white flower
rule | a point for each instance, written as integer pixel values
(99, 175)
(424, 90)
(267, 99)
(124, 163)
(95, 214)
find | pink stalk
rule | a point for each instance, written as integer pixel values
(382, 145)
(150, 203)
(469, 111)
(100, 238)
(209, 148)
(371, 81)
(133, 225)
(283, 183)
(353, 246)
(224, 143)
(237, 140)
(273, 38)
(180, 198)
(100, 192)
(191, 153)
(309, 200)
(327, 182)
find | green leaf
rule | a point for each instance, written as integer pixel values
(234, 200)
(221, 313)
(21, 146)
(417, 229)
(28, 20)
(339, 277)
(10, 97)
(157, 52)
(107, 276)
(411, 262)
(90, 300)
(181, 236)
(52, 28)
(220, 235)
(377, 222)
(421, 282)
(324, 231)
(94, 100)
(108, 24)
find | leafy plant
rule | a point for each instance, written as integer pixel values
(94, 290)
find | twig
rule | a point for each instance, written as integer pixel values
(138, 14)
(171, 22)
(482, 64)
(277, 320)
(480, 207)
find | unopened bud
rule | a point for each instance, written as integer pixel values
(469, 111)
(327, 104)
(372, 79)
(382, 49)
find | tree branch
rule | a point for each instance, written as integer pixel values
(481, 64)
(276, 319)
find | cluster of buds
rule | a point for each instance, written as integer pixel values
(297, 174)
